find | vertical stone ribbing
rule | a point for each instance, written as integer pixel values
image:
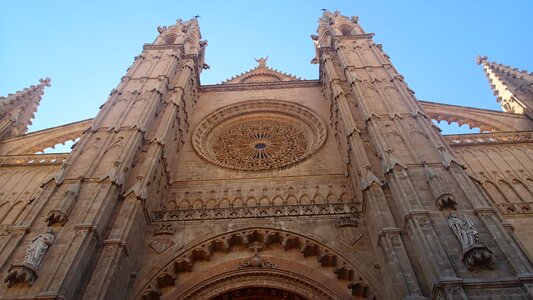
(407, 144)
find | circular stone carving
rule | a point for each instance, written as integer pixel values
(259, 135)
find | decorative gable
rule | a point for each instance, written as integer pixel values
(261, 73)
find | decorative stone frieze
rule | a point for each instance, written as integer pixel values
(489, 138)
(510, 209)
(256, 212)
(32, 160)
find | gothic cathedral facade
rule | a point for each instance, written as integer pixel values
(267, 186)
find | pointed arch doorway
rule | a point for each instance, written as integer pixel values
(258, 284)
(258, 263)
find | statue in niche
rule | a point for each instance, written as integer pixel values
(474, 253)
(27, 270)
(37, 248)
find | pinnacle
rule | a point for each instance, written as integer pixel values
(42, 83)
(45, 82)
(481, 59)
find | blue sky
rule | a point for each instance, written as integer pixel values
(86, 46)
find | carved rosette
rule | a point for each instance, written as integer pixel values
(259, 135)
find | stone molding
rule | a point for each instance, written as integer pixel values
(259, 86)
(515, 209)
(33, 160)
(283, 280)
(256, 212)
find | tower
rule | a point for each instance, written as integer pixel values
(268, 186)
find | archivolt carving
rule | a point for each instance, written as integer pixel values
(259, 283)
(326, 257)
(259, 135)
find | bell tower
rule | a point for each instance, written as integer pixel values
(96, 203)
(411, 181)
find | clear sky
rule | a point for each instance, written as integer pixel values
(85, 47)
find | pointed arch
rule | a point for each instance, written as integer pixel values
(494, 192)
(522, 191)
(185, 275)
(508, 191)
(169, 39)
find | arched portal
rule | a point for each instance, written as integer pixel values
(258, 293)
(257, 283)
(254, 261)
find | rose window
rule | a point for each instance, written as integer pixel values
(259, 135)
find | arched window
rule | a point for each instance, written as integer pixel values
(345, 30)
(169, 39)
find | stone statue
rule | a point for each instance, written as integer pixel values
(262, 61)
(37, 248)
(27, 270)
(465, 230)
(474, 253)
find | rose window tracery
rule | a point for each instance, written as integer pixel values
(259, 135)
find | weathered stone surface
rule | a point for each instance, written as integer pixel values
(270, 186)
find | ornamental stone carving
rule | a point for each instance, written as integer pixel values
(27, 270)
(37, 248)
(259, 135)
(440, 189)
(256, 261)
(474, 253)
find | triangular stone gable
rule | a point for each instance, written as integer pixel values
(261, 73)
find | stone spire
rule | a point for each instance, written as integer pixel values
(513, 87)
(17, 110)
